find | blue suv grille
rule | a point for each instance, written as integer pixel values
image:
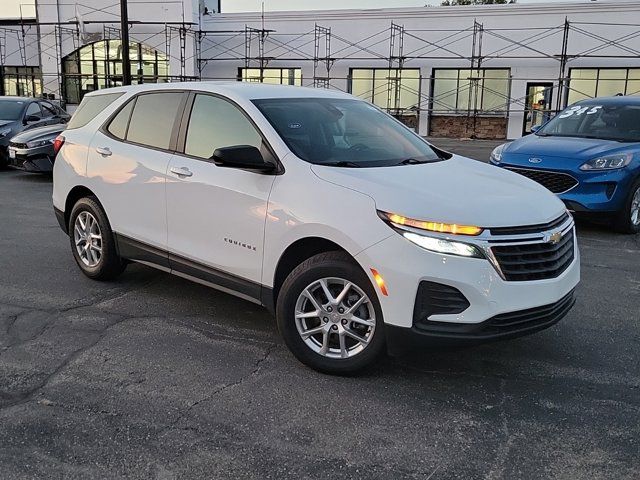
(553, 181)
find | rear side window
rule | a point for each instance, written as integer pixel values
(153, 117)
(118, 126)
(90, 107)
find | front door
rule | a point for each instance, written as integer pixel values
(538, 105)
(216, 215)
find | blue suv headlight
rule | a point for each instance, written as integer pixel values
(608, 162)
(496, 155)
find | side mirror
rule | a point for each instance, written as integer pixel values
(31, 119)
(241, 156)
(535, 128)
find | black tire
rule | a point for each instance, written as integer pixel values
(327, 265)
(110, 265)
(623, 223)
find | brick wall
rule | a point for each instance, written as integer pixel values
(487, 128)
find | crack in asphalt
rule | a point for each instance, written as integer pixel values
(216, 392)
(26, 395)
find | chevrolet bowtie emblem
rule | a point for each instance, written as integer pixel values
(554, 238)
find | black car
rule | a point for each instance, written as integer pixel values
(33, 150)
(20, 113)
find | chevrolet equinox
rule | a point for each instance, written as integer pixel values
(356, 232)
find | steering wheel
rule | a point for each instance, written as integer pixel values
(359, 147)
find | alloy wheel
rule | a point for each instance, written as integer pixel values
(635, 208)
(335, 318)
(88, 239)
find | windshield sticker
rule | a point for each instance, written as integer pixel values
(578, 110)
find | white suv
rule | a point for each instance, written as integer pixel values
(354, 230)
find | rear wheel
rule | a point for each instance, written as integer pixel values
(92, 241)
(628, 219)
(329, 315)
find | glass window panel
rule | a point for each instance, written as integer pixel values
(362, 83)
(381, 85)
(633, 87)
(216, 123)
(118, 126)
(409, 89)
(495, 92)
(445, 90)
(153, 118)
(584, 73)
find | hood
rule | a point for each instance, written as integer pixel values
(38, 133)
(577, 149)
(458, 190)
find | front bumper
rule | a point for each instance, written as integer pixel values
(36, 160)
(403, 266)
(602, 192)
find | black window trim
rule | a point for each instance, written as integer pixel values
(174, 129)
(184, 124)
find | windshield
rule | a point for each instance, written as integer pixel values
(607, 122)
(11, 109)
(344, 133)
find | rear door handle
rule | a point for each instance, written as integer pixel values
(181, 171)
(104, 151)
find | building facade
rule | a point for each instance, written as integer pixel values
(483, 72)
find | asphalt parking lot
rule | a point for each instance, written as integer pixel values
(155, 377)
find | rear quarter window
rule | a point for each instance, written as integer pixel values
(90, 107)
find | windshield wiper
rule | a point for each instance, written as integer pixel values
(342, 163)
(413, 161)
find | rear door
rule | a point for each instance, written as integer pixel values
(128, 161)
(216, 215)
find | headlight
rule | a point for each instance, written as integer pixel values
(39, 143)
(452, 228)
(440, 245)
(608, 162)
(4, 132)
(434, 243)
(496, 155)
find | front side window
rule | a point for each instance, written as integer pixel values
(344, 132)
(215, 123)
(11, 109)
(607, 122)
(33, 110)
(48, 109)
(153, 117)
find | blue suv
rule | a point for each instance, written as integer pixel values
(589, 155)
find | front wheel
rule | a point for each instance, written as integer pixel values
(628, 219)
(329, 315)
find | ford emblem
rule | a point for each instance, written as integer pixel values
(535, 160)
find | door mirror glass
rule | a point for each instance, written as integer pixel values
(241, 156)
(31, 118)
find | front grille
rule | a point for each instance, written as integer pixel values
(535, 261)
(437, 299)
(531, 317)
(530, 228)
(554, 181)
(18, 145)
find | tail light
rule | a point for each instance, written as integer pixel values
(57, 144)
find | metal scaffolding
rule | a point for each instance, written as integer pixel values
(476, 48)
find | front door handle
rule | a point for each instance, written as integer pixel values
(104, 151)
(181, 171)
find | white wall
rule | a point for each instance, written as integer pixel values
(537, 26)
